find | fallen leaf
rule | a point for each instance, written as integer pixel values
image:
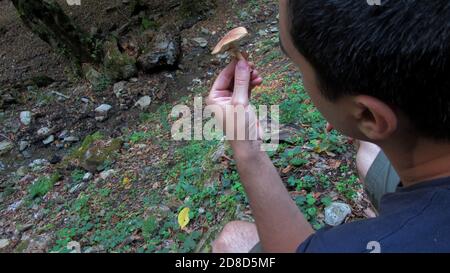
(126, 182)
(287, 169)
(183, 218)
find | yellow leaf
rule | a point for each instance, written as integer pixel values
(183, 217)
(126, 182)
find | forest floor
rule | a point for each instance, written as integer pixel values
(50, 198)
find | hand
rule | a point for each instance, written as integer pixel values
(232, 89)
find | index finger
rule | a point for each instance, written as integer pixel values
(225, 78)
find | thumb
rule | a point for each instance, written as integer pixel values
(241, 83)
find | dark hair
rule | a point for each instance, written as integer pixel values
(398, 52)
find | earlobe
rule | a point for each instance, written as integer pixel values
(375, 119)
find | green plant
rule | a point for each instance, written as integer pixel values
(77, 175)
(43, 185)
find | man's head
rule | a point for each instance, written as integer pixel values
(373, 70)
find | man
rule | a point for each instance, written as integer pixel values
(379, 74)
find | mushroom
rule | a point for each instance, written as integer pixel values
(230, 42)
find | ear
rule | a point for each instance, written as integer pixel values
(375, 119)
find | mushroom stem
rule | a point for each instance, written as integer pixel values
(235, 51)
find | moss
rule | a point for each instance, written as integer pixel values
(21, 247)
(78, 153)
(88, 140)
(118, 65)
(96, 157)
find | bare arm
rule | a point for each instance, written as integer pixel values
(281, 226)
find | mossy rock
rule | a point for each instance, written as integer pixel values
(21, 247)
(99, 153)
(118, 66)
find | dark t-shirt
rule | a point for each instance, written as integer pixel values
(413, 219)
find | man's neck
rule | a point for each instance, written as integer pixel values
(418, 160)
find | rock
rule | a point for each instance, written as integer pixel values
(262, 32)
(39, 244)
(49, 140)
(106, 174)
(202, 42)
(14, 206)
(77, 187)
(25, 117)
(23, 145)
(85, 100)
(102, 112)
(63, 134)
(118, 65)
(87, 176)
(38, 163)
(74, 247)
(164, 52)
(103, 109)
(39, 215)
(2, 166)
(144, 102)
(71, 139)
(336, 213)
(98, 153)
(5, 147)
(23, 228)
(119, 88)
(92, 75)
(205, 31)
(4, 243)
(44, 131)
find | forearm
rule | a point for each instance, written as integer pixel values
(281, 225)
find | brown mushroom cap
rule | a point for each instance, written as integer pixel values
(230, 40)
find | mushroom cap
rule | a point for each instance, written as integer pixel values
(232, 37)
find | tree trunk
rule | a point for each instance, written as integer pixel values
(51, 24)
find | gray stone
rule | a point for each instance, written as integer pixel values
(106, 174)
(44, 131)
(205, 31)
(2, 166)
(39, 244)
(5, 147)
(77, 187)
(274, 29)
(164, 51)
(14, 206)
(144, 102)
(63, 134)
(103, 109)
(25, 117)
(87, 176)
(48, 140)
(39, 215)
(202, 42)
(38, 163)
(4, 243)
(336, 213)
(119, 88)
(23, 145)
(71, 139)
